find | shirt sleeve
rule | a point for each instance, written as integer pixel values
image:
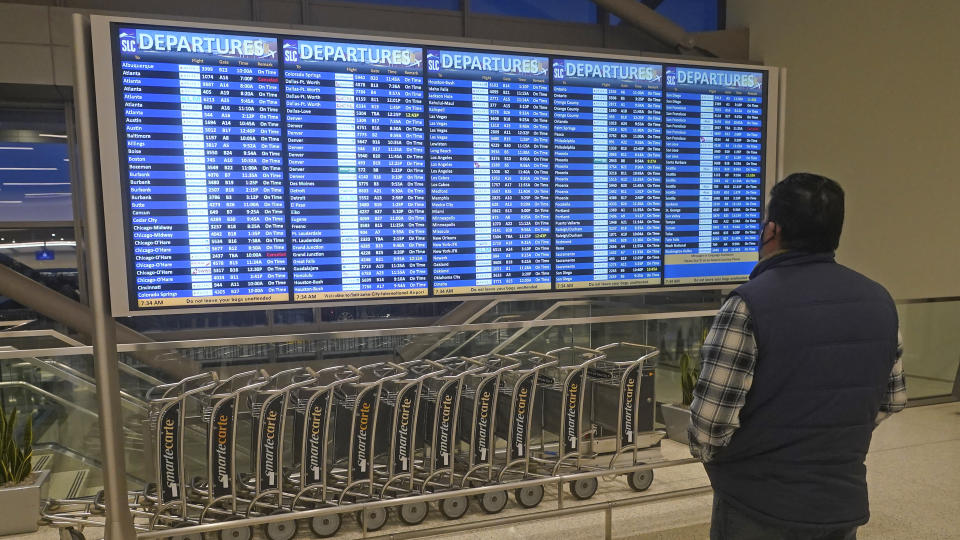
(895, 396)
(728, 359)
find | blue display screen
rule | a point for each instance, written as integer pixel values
(262, 169)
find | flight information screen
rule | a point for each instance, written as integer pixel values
(355, 147)
(260, 168)
(608, 170)
(204, 159)
(490, 172)
(713, 181)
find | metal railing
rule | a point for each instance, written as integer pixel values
(560, 480)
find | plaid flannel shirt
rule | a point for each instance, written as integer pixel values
(728, 359)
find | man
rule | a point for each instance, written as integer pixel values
(800, 365)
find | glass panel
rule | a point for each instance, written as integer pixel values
(931, 347)
(579, 11)
(35, 187)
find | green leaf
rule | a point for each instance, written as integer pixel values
(24, 470)
(28, 435)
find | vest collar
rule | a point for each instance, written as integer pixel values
(792, 258)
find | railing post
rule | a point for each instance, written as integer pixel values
(119, 523)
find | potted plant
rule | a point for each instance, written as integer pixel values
(19, 485)
(676, 417)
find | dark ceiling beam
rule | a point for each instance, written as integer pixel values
(640, 15)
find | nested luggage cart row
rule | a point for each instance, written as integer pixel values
(302, 439)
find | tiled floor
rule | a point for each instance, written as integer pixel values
(913, 471)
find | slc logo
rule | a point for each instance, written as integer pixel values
(289, 52)
(557, 70)
(128, 42)
(432, 63)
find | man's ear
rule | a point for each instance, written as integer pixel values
(776, 230)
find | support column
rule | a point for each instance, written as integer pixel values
(119, 522)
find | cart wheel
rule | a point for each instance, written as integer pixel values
(70, 533)
(193, 536)
(640, 480)
(280, 530)
(492, 502)
(374, 518)
(413, 513)
(528, 497)
(326, 526)
(236, 533)
(454, 507)
(584, 488)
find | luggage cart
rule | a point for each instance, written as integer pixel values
(166, 420)
(515, 418)
(439, 409)
(217, 494)
(269, 410)
(478, 405)
(561, 415)
(400, 406)
(312, 413)
(356, 433)
(615, 386)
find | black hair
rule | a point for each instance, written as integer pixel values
(809, 210)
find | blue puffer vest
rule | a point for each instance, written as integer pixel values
(827, 340)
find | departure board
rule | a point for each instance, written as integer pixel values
(202, 142)
(490, 172)
(261, 168)
(714, 187)
(607, 147)
(355, 141)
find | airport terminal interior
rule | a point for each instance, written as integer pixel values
(283, 269)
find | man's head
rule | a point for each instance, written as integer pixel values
(805, 213)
